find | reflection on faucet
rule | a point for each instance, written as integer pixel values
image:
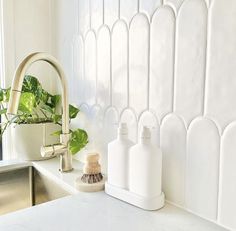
(52, 150)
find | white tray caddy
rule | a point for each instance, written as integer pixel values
(146, 203)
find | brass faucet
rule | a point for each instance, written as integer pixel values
(52, 150)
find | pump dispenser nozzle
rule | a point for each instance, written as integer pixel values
(145, 133)
(123, 129)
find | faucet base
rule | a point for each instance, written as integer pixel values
(66, 162)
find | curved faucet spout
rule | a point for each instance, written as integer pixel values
(66, 160)
(18, 81)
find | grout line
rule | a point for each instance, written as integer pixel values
(174, 67)
(96, 70)
(90, 15)
(14, 25)
(206, 66)
(118, 9)
(103, 12)
(138, 6)
(77, 16)
(128, 71)
(149, 65)
(111, 73)
(219, 179)
(84, 71)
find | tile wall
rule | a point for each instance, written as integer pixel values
(167, 64)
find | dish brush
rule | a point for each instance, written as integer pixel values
(92, 179)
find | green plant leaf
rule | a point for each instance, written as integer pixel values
(1, 94)
(55, 99)
(56, 118)
(45, 96)
(3, 111)
(27, 102)
(73, 111)
(47, 108)
(6, 94)
(79, 139)
(32, 85)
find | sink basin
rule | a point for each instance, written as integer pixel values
(25, 187)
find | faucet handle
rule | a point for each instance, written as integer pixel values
(52, 150)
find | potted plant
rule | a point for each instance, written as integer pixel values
(38, 121)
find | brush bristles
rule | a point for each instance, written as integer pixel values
(92, 178)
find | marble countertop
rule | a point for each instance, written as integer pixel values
(93, 211)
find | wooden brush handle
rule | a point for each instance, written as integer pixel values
(92, 165)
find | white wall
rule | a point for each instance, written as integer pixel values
(168, 64)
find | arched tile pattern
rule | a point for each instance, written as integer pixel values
(103, 67)
(221, 81)
(111, 12)
(90, 66)
(120, 65)
(96, 13)
(162, 68)
(128, 8)
(84, 16)
(148, 6)
(190, 59)
(174, 3)
(227, 205)
(173, 145)
(111, 119)
(202, 174)
(201, 54)
(138, 62)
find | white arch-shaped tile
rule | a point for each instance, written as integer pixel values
(202, 173)
(128, 116)
(174, 4)
(120, 64)
(190, 59)
(162, 44)
(149, 119)
(84, 16)
(128, 8)
(149, 6)
(139, 62)
(111, 120)
(90, 67)
(221, 83)
(227, 188)
(103, 66)
(111, 12)
(173, 145)
(96, 113)
(96, 13)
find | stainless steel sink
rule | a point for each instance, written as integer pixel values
(26, 187)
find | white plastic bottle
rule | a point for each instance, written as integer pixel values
(118, 158)
(145, 167)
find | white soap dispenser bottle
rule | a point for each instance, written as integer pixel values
(145, 167)
(118, 158)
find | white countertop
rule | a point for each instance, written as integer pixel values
(93, 211)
